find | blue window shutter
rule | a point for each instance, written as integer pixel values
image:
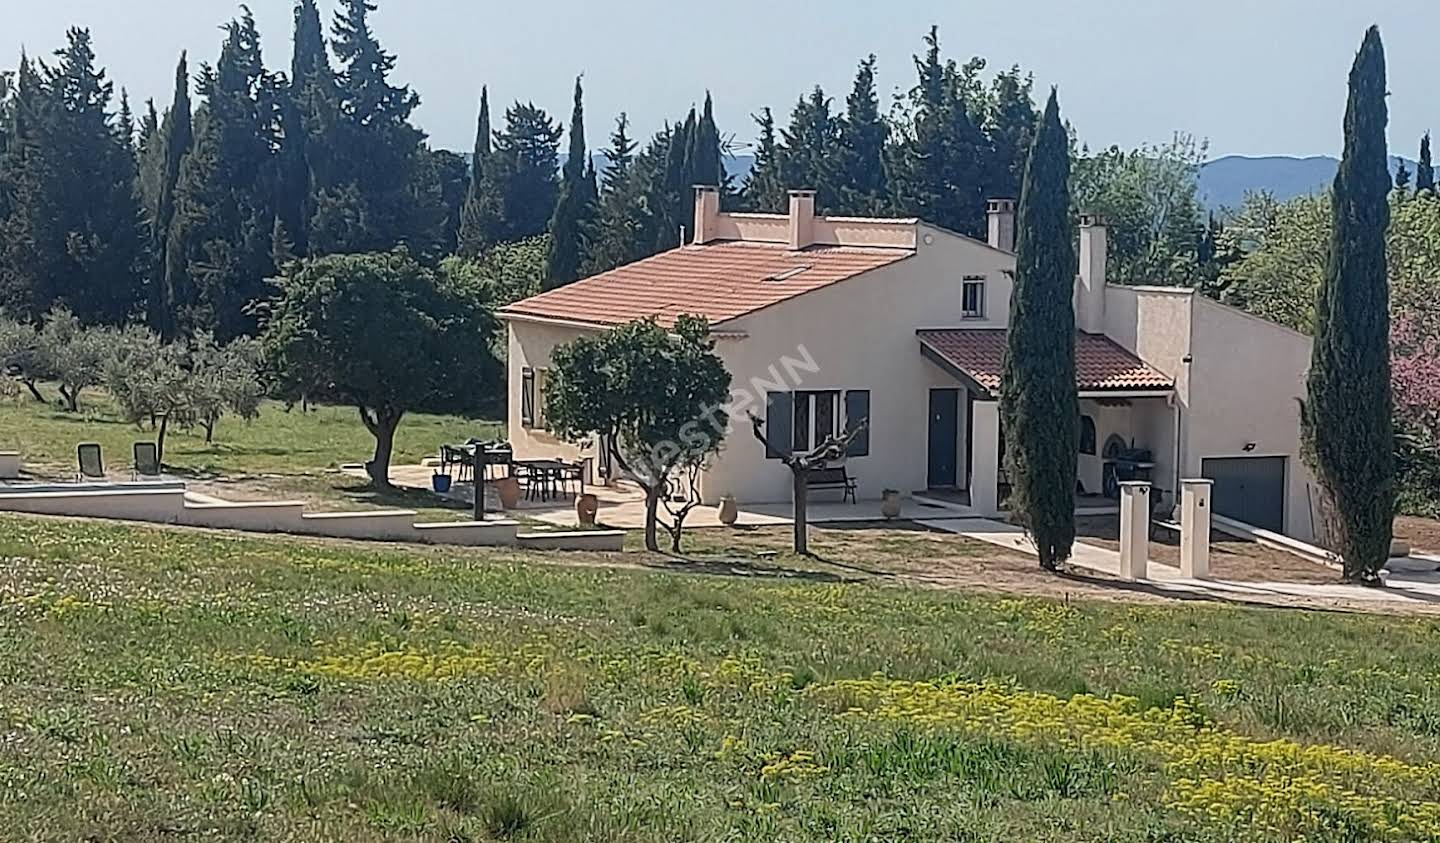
(857, 410)
(779, 410)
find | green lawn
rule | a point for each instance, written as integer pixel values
(164, 684)
(281, 454)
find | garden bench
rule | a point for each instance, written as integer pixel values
(833, 478)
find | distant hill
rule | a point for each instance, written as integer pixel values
(1225, 181)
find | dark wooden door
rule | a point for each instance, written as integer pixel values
(944, 436)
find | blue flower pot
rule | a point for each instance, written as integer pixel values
(440, 483)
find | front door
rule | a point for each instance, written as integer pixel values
(944, 436)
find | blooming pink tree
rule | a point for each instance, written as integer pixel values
(1416, 371)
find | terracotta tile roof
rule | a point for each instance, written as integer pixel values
(719, 281)
(1100, 363)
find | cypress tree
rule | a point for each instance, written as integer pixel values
(309, 66)
(1402, 178)
(228, 193)
(160, 161)
(705, 164)
(1348, 423)
(764, 189)
(1039, 405)
(861, 179)
(479, 219)
(570, 226)
(32, 245)
(1425, 171)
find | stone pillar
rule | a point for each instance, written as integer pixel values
(1134, 529)
(9, 465)
(985, 459)
(1195, 528)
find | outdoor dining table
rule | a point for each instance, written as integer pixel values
(547, 475)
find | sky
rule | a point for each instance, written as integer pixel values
(1254, 77)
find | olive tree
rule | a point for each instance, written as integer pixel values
(70, 354)
(655, 399)
(150, 382)
(382, 333)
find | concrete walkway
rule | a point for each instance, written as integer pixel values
(1400, 587)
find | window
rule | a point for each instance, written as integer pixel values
(807, 418)
(1087, 435)
(857, 410)
(972, 297)
(527, 397)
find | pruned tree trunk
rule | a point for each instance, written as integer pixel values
(160, 439)
(209, 426)
(801, 487)
(34, 390)
(652, 519)
(72, 398)
(381, 424)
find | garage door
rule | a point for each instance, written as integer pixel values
(1248, 489)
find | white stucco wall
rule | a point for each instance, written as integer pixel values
(530, 346)
(1246, 380)
(860, 333)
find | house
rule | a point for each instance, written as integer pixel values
(826, 320)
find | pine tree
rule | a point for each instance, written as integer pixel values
(228, 194)
(309, 66)
(619, 218)
(861, 181)
(1425, 172)
(811, 147)
(939, 167)
(523, 173)
(125, 123)
(1348, 424)
(1039, 405)
(73, 235)
(371, 192)
(571, 225)
(31, 233)
(480, 218)
(765, 189)
(1010, 122)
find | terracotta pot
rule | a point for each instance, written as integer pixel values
(890, 504)
(509, 490)
(729, 511)
(585, 508)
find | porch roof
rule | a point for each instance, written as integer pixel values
(976, 356)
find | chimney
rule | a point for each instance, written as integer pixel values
(1090, 288)
(1002, 224)
(707, 213)
(802, 218)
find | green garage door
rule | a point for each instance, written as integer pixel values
(1248, 489)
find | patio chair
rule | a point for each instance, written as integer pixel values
(147, 461)
(91, 466)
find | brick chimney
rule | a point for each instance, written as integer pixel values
(1090, 286)
(802, 218)
(1002, 224)
(707, 212)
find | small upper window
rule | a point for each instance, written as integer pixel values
(972, 298)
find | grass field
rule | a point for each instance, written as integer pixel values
(164, 684)
(280, 454)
